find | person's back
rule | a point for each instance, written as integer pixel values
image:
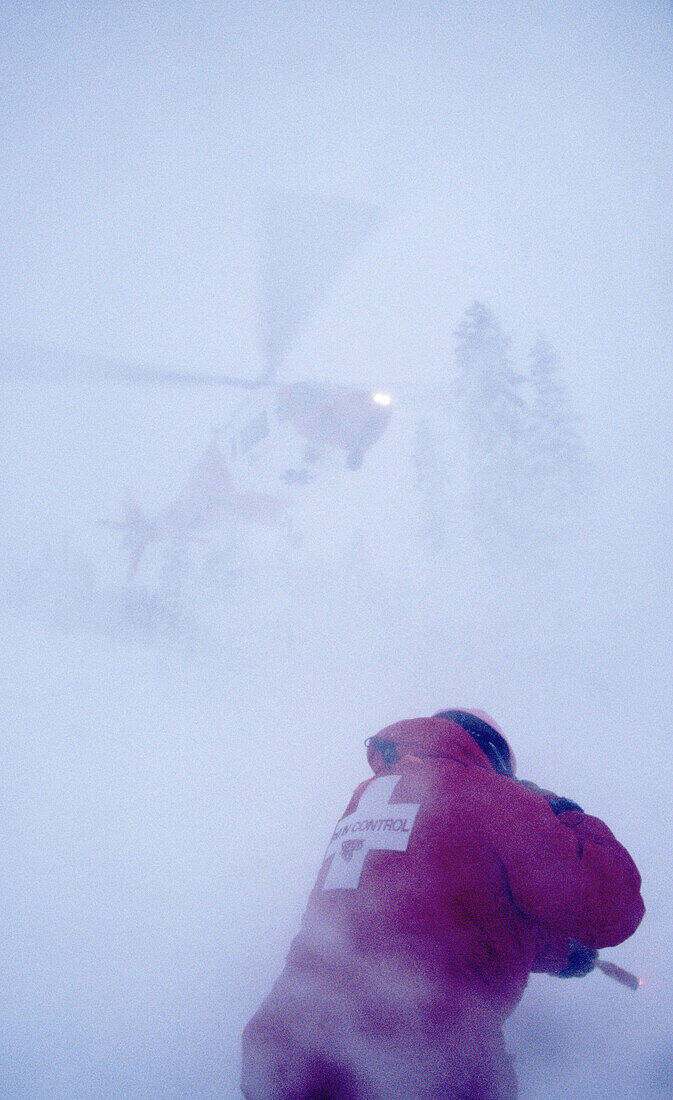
(440, 883)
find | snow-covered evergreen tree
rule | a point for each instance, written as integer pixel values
(493, 407)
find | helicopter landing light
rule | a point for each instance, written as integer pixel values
(383, 399)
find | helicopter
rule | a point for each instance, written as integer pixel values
(298, 422)
(273, 445)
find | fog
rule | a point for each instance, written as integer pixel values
(181, 737)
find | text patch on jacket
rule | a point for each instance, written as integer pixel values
(376, 824)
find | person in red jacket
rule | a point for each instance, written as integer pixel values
(444, 884)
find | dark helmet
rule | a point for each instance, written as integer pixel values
(486, 734)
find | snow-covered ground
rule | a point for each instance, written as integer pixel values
(168, 789)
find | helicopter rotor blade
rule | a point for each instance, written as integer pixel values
(306, 241)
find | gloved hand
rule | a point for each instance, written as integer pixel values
(581, 961)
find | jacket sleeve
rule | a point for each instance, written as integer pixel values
(567, 872)
(551, 952)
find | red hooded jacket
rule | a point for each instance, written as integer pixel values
(443, 885)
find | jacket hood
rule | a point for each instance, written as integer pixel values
(426, 738)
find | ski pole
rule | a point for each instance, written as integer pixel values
(620, 975)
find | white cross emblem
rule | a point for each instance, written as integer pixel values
(370, 827)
